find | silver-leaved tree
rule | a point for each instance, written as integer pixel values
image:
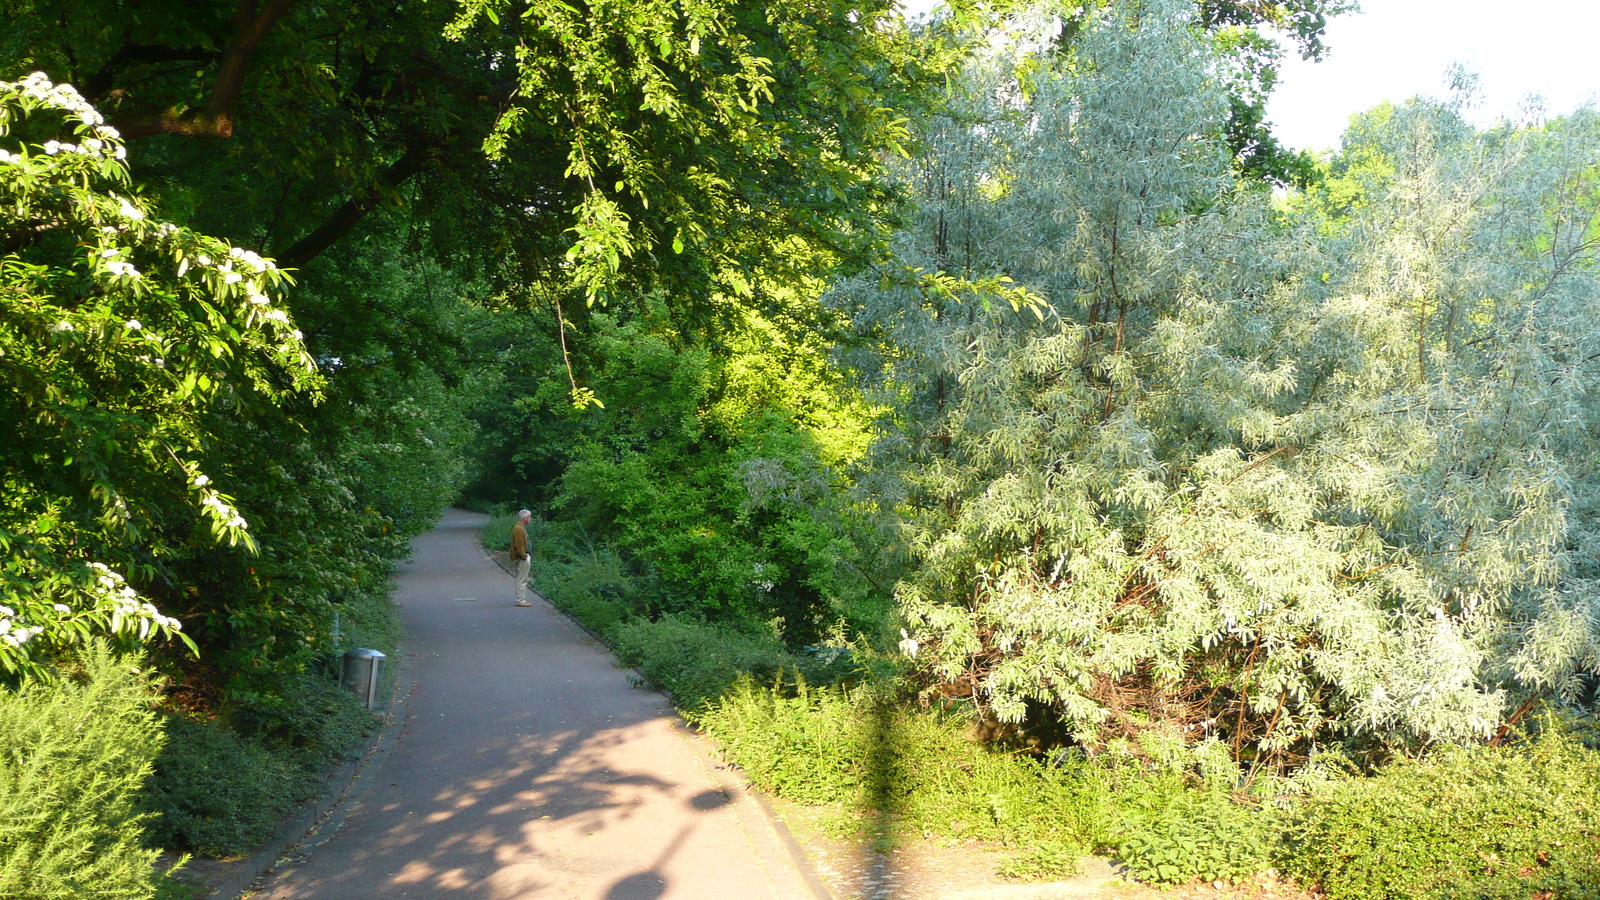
(1176, 462)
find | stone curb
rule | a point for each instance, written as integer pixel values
(324, 814)
(725, 773)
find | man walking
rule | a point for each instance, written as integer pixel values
(519, 555)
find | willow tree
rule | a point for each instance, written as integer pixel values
(1171, 466)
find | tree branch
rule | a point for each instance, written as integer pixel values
(251, 22)
(97, 86)
(413, 161)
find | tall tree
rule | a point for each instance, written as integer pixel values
(1216, 477)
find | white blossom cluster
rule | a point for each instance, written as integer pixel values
(100, 140)
(13, 632)
(220, 511)
(129, 611)
(228, 272)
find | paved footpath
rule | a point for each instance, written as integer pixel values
(527, 766)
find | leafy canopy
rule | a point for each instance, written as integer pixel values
(119, 334)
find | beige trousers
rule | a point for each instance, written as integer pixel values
(520, 567)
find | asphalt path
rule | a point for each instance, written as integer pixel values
(529, 765)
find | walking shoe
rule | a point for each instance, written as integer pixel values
(523, 603)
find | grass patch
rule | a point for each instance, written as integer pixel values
(893, 768)
(169, 888)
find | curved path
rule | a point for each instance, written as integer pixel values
(528, 766)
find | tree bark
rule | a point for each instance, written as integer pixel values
(412, 162)
(251, 22)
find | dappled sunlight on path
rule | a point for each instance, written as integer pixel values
(527, 766)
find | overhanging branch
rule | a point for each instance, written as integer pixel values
(410, 163)
(251, 22)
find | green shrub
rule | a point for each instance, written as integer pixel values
(880, 760)
(1205, 837)
(495, 534)
(694, 661)
(221, 787)
(1482, 823)
(315, 724)
(589, 583)
(73, 753)
(806, 747)
(217, 794)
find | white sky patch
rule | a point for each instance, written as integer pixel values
(1397, 49)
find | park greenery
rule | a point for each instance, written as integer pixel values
(979, 424)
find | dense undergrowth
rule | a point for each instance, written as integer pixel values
(1517, 821)
(835, 727)
(1522, 820)
(225, 779)
(99, 773)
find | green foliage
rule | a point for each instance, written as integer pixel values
(215, 793)
(74, 751)
(1210, 840)
(721, 132)
(696, 662)
(220, 788)
(1260, 481)
(1483, 822)
(170, 888)
(1486, 822)
(710, 486)
(122, 335)
(315, 723)
(1050, 860)
(894, 768)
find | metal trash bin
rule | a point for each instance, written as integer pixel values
(363, 676)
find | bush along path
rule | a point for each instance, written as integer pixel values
(527, 765)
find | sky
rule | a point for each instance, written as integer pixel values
(1397, 49)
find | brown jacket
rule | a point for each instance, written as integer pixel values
(519, 543)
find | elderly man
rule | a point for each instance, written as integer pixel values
(519, 555)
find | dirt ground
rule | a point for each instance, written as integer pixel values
(944, 869)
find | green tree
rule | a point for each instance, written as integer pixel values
(1251, 483)
(119, 335)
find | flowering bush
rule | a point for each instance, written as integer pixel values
(119, 333)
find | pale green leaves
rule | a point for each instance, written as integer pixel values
(1252, 480)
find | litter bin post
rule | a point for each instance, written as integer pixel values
(363, 676)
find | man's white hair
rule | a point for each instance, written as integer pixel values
(524, 514)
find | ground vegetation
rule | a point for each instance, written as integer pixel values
(980, 424)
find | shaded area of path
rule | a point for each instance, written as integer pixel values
(527, 766)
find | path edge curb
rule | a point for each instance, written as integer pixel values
(324, 814)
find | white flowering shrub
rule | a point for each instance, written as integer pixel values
(1255, 482)
(118, 333)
